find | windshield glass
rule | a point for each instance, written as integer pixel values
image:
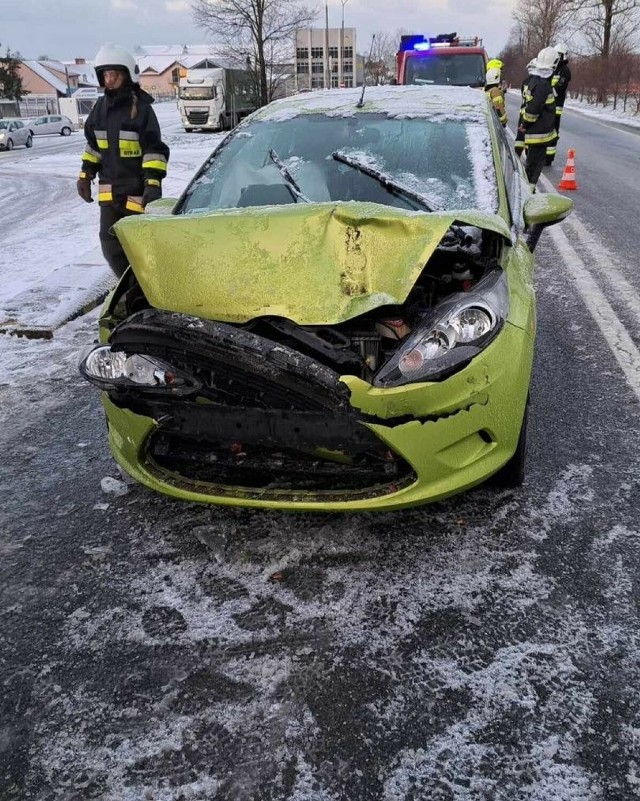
(464, 69)
(446, 161)
(3, 125)
(197, 92)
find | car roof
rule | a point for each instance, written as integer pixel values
(430, 102)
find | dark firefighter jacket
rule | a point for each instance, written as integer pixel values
(539, 113)
(560, 83)
(123, 149)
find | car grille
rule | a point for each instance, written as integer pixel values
(270, 473)
(198, 117)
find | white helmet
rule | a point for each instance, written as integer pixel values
(114, 57)
(532, 64)
(562, 49)
(493, 76)
(547, 58)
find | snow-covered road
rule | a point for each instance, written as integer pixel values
(486, 647)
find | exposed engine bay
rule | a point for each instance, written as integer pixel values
(360, 346)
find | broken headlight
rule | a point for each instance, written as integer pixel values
(451, 334)
(110, 369)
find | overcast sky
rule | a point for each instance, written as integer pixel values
(66, 29)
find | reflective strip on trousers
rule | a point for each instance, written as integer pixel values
(105, 193)
(134, 204)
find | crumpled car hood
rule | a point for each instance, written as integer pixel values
(313, 263)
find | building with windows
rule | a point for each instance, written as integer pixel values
(316, 68)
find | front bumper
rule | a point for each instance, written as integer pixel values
(446, 437)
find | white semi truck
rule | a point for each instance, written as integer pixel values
(215, 99)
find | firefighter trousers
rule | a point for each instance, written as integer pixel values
(536, 158)
(112, 250)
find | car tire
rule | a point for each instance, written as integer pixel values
(29, 142)
(9, 145)
(513, 473)
(66, 131)
(222, 122)
(188, 130)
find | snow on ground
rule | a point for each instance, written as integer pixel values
(45, 226)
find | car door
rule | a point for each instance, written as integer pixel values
(55, 125)
(21, 133)
(39, 125)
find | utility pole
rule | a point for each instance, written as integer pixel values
(341, 59)
(327, 71)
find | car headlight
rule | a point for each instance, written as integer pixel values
(452, 333)
(109, 369)
(2, 135)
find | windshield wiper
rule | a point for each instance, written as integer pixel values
(289, 180)
(387, 181)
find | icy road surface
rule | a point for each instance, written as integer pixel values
(482, 649)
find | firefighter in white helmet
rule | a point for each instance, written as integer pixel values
(560, 82)
(519, 143)
(124, 149)
(493, 87)
(538, 117)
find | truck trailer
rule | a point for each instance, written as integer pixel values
(215, 99)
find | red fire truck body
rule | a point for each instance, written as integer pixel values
(447, 59)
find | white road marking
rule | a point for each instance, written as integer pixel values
(622, 346)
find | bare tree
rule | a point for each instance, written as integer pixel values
(259, 29)
(608, 25)
(539, 23)
(381, 53)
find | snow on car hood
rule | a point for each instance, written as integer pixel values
(314, 264)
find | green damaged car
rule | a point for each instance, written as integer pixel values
(337, 314)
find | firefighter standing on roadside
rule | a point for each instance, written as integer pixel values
(519, 143)
(124, 149)
(560, 82)
(538, 117)
(493, 87)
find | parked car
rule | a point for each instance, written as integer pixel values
(53, 124)
(14, 132)
(337, 314)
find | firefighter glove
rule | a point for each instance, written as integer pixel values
(152, 191)
(84, 189)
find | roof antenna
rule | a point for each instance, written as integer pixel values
(360, 102)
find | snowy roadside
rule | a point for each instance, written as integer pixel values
(46, 237)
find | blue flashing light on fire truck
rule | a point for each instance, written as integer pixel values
(446, 59)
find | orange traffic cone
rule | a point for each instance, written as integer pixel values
(568, 180)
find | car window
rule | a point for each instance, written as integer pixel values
(56, 119)
(457, 70)
(3, 126)
(18, 125)
(447, 161)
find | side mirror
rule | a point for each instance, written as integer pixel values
(542, 210)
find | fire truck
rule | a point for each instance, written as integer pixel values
(446, 59)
